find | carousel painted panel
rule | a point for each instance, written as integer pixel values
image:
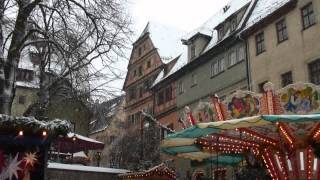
(243, 104)
(204, 112)
(300, 98)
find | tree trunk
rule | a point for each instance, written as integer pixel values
(9, 65)
(6, 85)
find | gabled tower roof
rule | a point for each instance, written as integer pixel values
(166, 39)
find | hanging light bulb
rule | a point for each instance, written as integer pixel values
(20, 133)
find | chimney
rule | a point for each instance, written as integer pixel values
(225, 8)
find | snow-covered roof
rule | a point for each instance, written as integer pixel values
(54, 127)
(104, 113)
(80, 154)
(32, 84)
(25, 60)
(214, 39)
(78, 136)
(182, 61)
(262, 9)
(166, 39)
(77, 167)
(208, 27)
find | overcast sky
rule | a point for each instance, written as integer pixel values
(181, 14)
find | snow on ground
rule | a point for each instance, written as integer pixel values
(77, 167)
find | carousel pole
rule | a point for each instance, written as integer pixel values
(211, 166)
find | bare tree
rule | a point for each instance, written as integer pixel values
(136, 149)
(70, 36)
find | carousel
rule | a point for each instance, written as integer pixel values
(278, 130)
(24, 145)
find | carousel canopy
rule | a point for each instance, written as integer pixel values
(183, 144)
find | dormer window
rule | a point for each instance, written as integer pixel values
(24, 75)
(220, 33)
(193, 51)
(233, 24)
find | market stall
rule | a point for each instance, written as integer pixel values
(24, 143)
(160, 172)
(73, 143)
(278, 129)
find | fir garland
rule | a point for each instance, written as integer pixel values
(54, 128)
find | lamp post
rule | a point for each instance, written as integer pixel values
(98, 157)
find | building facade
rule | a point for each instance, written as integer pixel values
(107, 124)
(27, 83)
(217, 62)
(283, 43)
(151, 53)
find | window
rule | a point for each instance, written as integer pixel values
(180, 87)
(168, 93)
(160, 97)
(112, 138)
(132, 94)
(282, 32)
(35, 58)
(233, 23)
(193, 51)
(314, 71)
(193, 79)
(308, 16)
(261, 86)
(220, 33)
(241, 53)
(217, 67)
(24, 75)
(140, 92)
(260, 47)
(22, 99)
(286, 79)
(149, 64)
(134, 73)
(131, 120)
(232, 58)
(147, 85)
(140, 70)
(139, 52)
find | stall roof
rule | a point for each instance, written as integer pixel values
(77, 167)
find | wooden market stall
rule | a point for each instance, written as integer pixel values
(24, 143)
